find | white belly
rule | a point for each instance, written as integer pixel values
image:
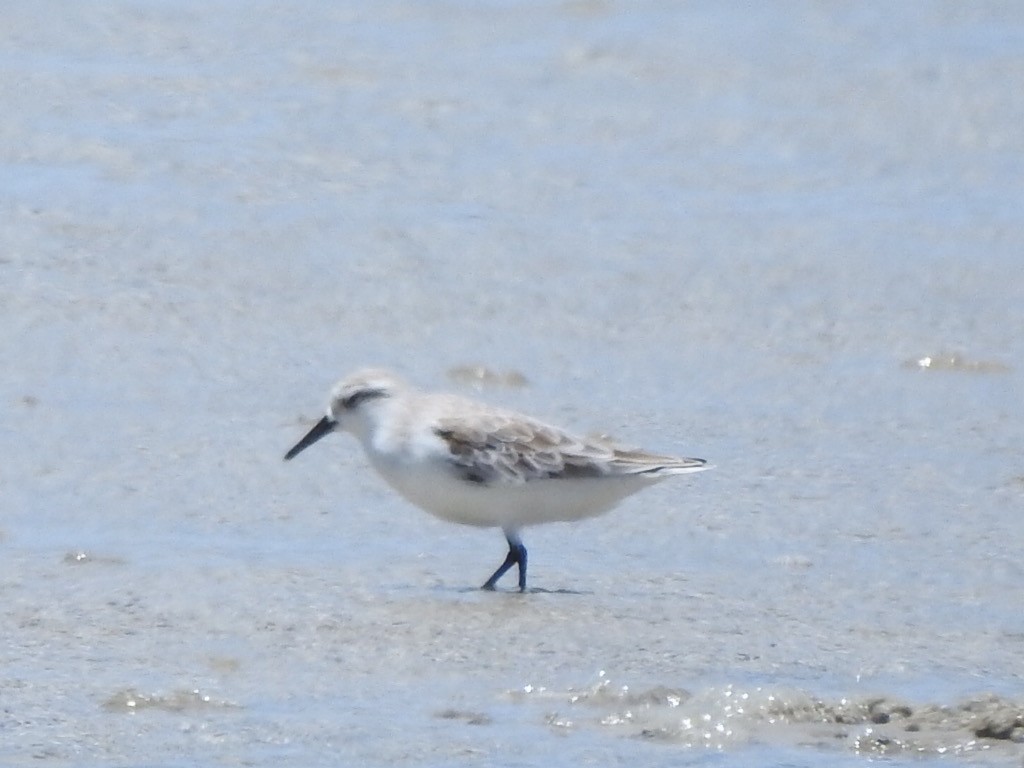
(448, 497)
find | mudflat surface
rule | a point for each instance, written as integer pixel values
(785, 238)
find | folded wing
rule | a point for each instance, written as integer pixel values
(516, 451)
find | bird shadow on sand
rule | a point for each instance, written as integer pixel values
(514, 592)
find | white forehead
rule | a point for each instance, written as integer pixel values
(368, 378)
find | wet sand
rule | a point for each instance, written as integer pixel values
(787, 239)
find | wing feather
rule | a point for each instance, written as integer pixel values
(513, 451)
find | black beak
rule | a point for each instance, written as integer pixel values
(322, 428)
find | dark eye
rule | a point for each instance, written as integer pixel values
(361, 395)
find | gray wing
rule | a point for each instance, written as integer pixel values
(498, 450)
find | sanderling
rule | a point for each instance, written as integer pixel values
(470, 463)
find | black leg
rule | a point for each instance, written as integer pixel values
(516, 556)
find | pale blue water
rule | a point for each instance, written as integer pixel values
(727, 231)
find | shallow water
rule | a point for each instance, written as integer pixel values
(726, 232)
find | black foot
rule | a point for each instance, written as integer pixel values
(516, 556)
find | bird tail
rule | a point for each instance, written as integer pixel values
(643, 463)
